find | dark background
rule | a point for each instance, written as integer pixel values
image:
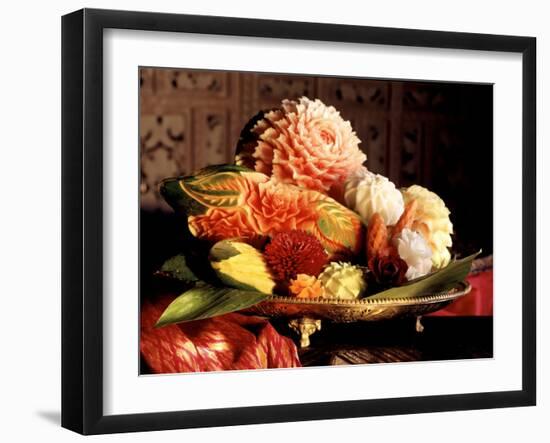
(439, 135)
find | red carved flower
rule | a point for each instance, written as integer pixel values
(295, 252)
(388, 270)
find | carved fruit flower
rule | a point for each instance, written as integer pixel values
(306, 286)
(433, 222)
(303, 142)
(343, 281)
(275, 209)
(413, 248)
(388, 270)
(291, 253)
(367, 193)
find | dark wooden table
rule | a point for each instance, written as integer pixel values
(443, 338)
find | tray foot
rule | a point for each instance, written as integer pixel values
(419, 325)
(305, 327)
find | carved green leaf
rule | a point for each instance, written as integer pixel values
(220, 190)
(212, 187)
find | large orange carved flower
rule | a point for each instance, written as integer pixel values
(305, 143)
(277, 208)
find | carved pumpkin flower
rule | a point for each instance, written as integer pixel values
(304, 143)
(306, 286)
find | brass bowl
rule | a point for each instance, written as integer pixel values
(305, 315)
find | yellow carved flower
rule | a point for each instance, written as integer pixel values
(433, 222)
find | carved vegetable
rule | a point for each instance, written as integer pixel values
(241, 266)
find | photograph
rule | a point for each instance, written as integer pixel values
(299, 220)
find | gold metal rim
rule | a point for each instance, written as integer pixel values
(459, 290)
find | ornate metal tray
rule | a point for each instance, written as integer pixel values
(305, 315)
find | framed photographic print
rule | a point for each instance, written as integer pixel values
(261, 216)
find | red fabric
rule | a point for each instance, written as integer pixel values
(231, 341)
(478, 302)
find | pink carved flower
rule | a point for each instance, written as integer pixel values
(305, 143)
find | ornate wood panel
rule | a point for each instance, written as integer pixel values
(164, 152)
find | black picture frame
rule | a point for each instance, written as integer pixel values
(82, 219)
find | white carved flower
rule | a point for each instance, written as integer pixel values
(416, 252)
(367, 193)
